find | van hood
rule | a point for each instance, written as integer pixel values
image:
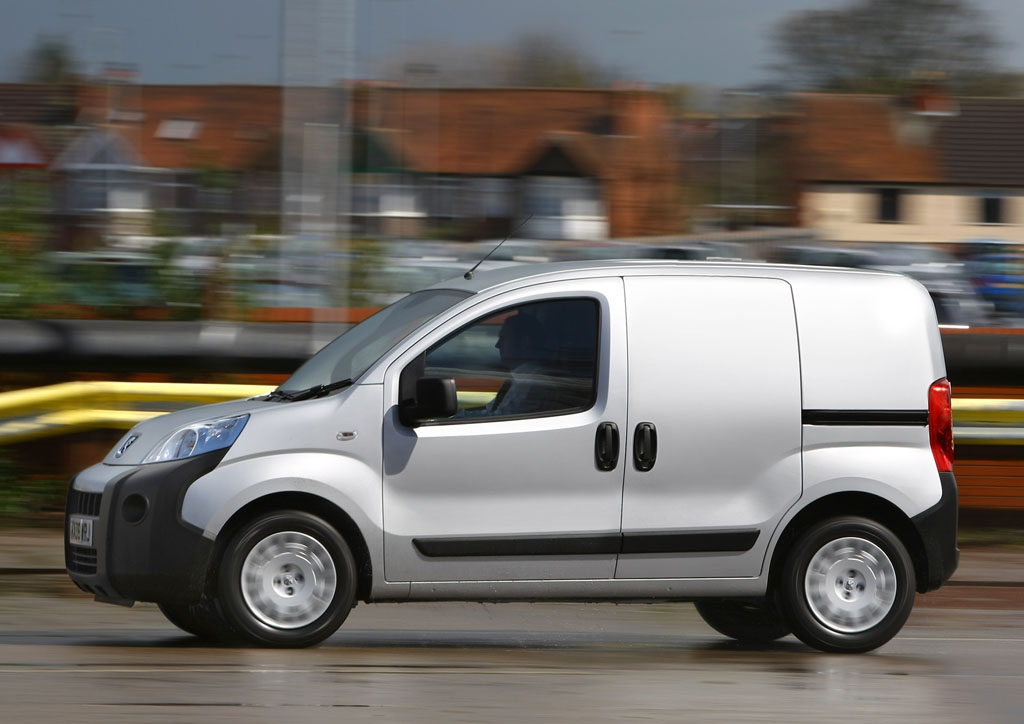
(149, 433)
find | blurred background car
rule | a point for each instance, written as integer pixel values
(946, 278)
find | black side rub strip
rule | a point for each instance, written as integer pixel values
(710, 542)
(865, 417)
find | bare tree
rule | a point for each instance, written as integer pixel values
(879, 45)
(540, 60)
(545, 60)
(50, 61)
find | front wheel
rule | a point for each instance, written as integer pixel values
(750, 620)
(199, 618)
(847, 585)
(286, 579)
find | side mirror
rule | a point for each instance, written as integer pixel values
(435, 398)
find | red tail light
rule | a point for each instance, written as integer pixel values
(940, 424)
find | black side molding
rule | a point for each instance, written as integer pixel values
(865, 417)
(725, 541)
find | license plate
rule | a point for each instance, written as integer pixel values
(80, 531)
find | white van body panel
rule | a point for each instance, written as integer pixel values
(510, 478)
(866, 343)
(722, 375)
(328, 447)
(894, 463)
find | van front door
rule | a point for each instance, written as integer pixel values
(713, 448)
(510, 488)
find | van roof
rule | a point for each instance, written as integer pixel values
(492, 278)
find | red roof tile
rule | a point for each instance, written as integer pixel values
(864, 139)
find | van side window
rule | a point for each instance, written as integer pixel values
(534, 359)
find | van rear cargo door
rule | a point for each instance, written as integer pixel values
(712, 449)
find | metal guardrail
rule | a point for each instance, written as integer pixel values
(73, 406)
(988, 421)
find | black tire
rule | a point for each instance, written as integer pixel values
(200, 619)
(750, 620)
(286, 579)
(847, 585)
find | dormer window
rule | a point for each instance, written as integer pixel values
(992, 210)
(178, 129)
(889, 205)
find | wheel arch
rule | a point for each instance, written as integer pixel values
(861, 504)
(314, 505)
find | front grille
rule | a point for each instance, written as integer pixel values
(80, 503)
(81, 560)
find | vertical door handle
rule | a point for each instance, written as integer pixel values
(606, 446)
(645, 446)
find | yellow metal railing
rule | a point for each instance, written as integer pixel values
(73, 406)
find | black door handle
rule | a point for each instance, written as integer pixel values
(606, 446)
(645, 446)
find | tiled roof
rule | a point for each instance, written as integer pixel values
(36, 103)
(983, 145)
(500, 132)
(863, 139)
(236, 123)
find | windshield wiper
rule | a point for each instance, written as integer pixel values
(309, 392)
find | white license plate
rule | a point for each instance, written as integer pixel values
(80, 531)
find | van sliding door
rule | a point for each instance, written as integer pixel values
(713, 434)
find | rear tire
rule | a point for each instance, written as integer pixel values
(750, 620)
(286, 579)
(847, 585)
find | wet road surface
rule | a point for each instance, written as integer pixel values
(64, 658)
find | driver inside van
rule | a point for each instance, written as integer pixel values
(527, 389)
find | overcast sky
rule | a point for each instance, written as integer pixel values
(714, 42)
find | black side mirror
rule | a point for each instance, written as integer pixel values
(435, 398)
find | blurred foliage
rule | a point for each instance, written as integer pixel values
(881, 46)
(31, 495)
(168, 222)
(50, 61)
(24, 280)
(364, 270)
(543, 60)
(533, 60)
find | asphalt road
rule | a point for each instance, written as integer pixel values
(64, 658)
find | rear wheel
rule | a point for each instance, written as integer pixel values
(847, 585)
(286, 579)
(750, 620)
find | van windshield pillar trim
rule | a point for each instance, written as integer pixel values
(865, 417)
(719, 541)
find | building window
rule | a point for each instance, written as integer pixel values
(992, 210)
(178, 129)
(889, 205)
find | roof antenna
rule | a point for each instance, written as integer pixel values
(469, 274)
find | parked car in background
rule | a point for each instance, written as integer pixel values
(946, 278)
(997, 270)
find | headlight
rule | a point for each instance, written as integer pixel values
(198, 438)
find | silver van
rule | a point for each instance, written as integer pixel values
(771, 442)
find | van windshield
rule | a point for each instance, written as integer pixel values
(351, 354)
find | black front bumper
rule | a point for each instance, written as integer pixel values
(937, 528)
(143, 550)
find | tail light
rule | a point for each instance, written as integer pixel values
(940, 424)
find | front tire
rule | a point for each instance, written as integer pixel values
(201, 619)
(749, 620)
(847, 585)
(286, 579)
